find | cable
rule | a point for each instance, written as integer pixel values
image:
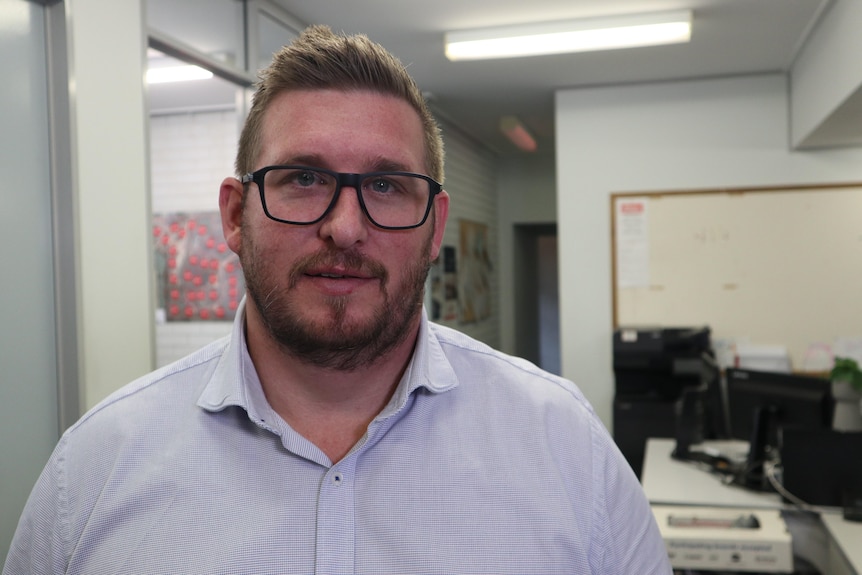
(769, 469)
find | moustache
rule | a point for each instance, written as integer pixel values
(350, 262)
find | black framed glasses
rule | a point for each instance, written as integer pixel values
(303, 196)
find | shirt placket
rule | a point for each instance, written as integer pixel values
(336, 520)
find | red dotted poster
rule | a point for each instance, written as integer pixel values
(198, 278)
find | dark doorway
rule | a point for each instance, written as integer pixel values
(537, 316)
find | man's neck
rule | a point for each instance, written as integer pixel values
(329, 407)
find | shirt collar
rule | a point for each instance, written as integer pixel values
(235, 380)
(429, 368)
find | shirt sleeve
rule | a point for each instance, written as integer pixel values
(627, 526)
(39, 544)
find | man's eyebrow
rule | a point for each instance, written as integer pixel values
(389, 165)
(310, 160)
(379, 164)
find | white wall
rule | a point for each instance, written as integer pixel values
(526, 189)
(672, 136)
(827, 77)
(110, 167)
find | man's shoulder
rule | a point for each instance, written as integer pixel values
(457, 343)
(470, 357)
(160, 392)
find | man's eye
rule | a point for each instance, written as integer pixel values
(305, 178)
(382, 186)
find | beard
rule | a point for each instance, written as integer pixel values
(338, 341)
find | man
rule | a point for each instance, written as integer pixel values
(336, 430)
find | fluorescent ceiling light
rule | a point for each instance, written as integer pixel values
(177, 74)
(570, 36)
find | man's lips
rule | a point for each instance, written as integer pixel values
(341, 271)
(339, 283)
(339, 274)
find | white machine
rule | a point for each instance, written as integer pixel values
(722, 539)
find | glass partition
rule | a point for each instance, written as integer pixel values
(273, 33)
(194, 128)
(211, 27)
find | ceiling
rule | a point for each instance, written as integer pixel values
(729, 37)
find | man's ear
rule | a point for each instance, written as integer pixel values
(441, 214)
(230, 206)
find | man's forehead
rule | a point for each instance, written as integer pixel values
(374, 129)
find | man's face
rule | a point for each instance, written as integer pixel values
(341, 292)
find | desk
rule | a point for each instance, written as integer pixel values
(671, 482)
(667, 481)
(846, 540)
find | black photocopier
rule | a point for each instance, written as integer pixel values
(653, 367)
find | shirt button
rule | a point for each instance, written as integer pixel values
(337, 479)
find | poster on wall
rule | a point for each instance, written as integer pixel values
(632, 242)
(198, 278)
(475, 276)
(444, 286)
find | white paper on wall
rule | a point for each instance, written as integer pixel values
(632, 242)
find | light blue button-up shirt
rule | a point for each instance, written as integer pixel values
(480, 463)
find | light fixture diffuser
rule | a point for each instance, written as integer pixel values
(177, 74)
(565, 36)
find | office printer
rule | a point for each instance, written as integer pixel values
(659, 360)
(652, 367)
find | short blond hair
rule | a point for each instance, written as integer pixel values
(320, 59)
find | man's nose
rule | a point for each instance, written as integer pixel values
(346, 223)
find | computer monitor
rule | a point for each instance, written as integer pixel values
(823, 467)
(797, 400)
(761, 404)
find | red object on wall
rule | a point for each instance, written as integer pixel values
(186, 263)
